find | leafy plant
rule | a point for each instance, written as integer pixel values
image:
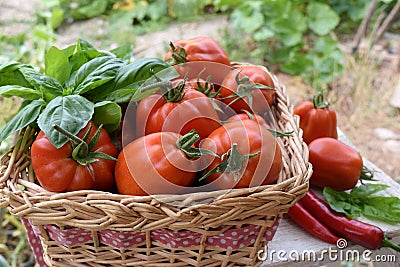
(67, 93)
(295, 35)
(362, 201)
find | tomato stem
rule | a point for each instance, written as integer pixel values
(174, 94)
(178, 55)
(81, 147)
(366, 174)
(319, 101)
(232, 162)
(186, 142)
(244, 89)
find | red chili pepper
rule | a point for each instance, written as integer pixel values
(367, 235)
(311, 225)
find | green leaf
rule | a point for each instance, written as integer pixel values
(94, 73)
(248, 17)
(321, 18)
(107, 113)
(362, 201)
(339, 202)
(57, 17)
(82, 53)
(131, 77)
(366, 190)
(90, 9)
(41, 82)
(120, 95)
(71, 113)
(139, 71)
(297, 63)
(263, 34)
(382, 208)
(125, 52)
(25, 116)
(10, 74)
(57, 64)
(20, 91)
(157, 9)
(326, 45)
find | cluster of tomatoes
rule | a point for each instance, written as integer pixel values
(205, 130)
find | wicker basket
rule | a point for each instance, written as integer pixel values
(93, 228)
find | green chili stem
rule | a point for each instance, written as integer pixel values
(387, 243)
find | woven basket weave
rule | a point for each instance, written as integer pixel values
(120, 230)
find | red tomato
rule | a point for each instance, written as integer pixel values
(197, 49)
(154, 164)
(261, 169)
(335, 164)
(199, 84)
(316, 120)
(247, 116)
(247, 95)
(57, 171)
(193, 110)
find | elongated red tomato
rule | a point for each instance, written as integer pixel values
(335, 164)
(248, 87)
(255, 154)
(193, 110)
(58, 170)
(317, 119)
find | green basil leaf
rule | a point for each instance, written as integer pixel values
(10, 74)
(83, 52)
(94, 73)
(69, 51)
(382, 208)
(20, 91)
(57, 64)
(366, 190)
(71, 113)
(42, 82)
(131, 77)
(120, 95)
(107, 113)
(341, 202)
(25, 116)
(124, 52)
(139, 71)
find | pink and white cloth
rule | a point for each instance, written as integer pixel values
(231, 239)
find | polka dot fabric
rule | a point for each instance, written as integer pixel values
(34, 242)
(231, 239)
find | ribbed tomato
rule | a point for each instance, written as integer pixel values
(248, 87)
(251, 152)
(69, 169)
